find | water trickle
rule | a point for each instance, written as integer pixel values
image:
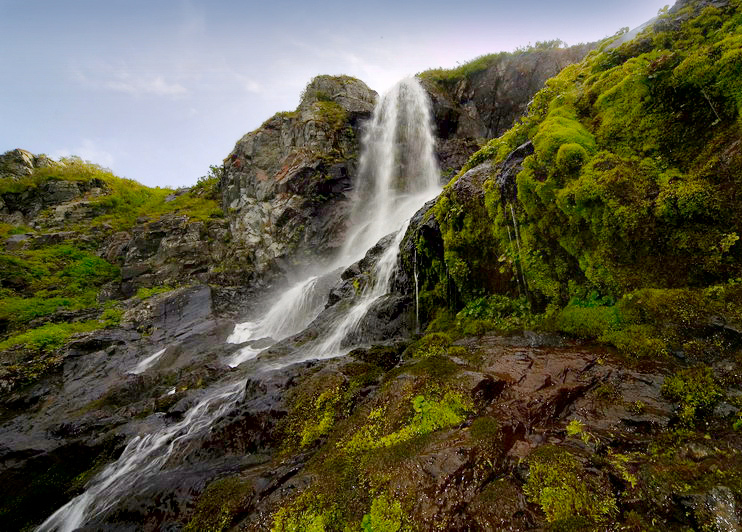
(520, 253)
(517, 273)
(148, 362)
(398, 173)
(417, 294)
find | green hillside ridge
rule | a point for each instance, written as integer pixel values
(451, 76)
(50, 290)
(625, 225)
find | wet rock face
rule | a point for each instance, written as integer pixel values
(485, 104)
(171, 250)
(286, 185)
(59, 432)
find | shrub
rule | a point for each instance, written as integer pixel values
(385, 516)
(696, 391)
(564, 490)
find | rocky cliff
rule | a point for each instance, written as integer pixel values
(286, 186)
(481, 99)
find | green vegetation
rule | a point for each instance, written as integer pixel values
(624, 226)
(49, 290)
(385, 516)
(48, 337)
(330, 113)
(146, 293)
(696, 391)
(449, 76)
(39, 282)
(430, 415)
(321, 420)
(219, 504)
(305, 515)
(430, 345)
(565, 490)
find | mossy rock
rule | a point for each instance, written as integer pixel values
(219, 505)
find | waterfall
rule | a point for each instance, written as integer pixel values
(292, 312)
(398, 173)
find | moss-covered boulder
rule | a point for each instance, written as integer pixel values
(629, 182)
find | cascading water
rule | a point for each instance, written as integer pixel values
(293, 311)
(398, 170)
(398, 173)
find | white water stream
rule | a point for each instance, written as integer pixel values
(398, 173)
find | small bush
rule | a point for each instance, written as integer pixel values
(559, 484)
(385, 516)
(696, 391)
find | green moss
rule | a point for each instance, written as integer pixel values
(219, 504)
(587, 322)
(485, 428)
(495, 313)
(50, 336)
(438, 368)
(431, 345)
(564, 490)
(561, 131)
(385, 516)
(429, 415)
(696, 390)
(626, 190)
(146, 293)
(321, 420)
(309, 513)
(318, 403)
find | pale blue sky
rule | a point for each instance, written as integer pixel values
(158, 90)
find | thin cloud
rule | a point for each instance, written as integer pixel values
(87, 150)
(121, 80)
(156, 86)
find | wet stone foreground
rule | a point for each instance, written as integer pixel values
(483, 433)
(550, 434)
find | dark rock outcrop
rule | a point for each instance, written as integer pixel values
(285, 186)
(485, 103)
(171, 250)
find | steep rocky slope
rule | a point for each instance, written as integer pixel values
(286, 185)
(481, 99)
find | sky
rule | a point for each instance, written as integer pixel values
(159, 90)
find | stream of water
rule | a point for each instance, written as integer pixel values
(397, 174)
